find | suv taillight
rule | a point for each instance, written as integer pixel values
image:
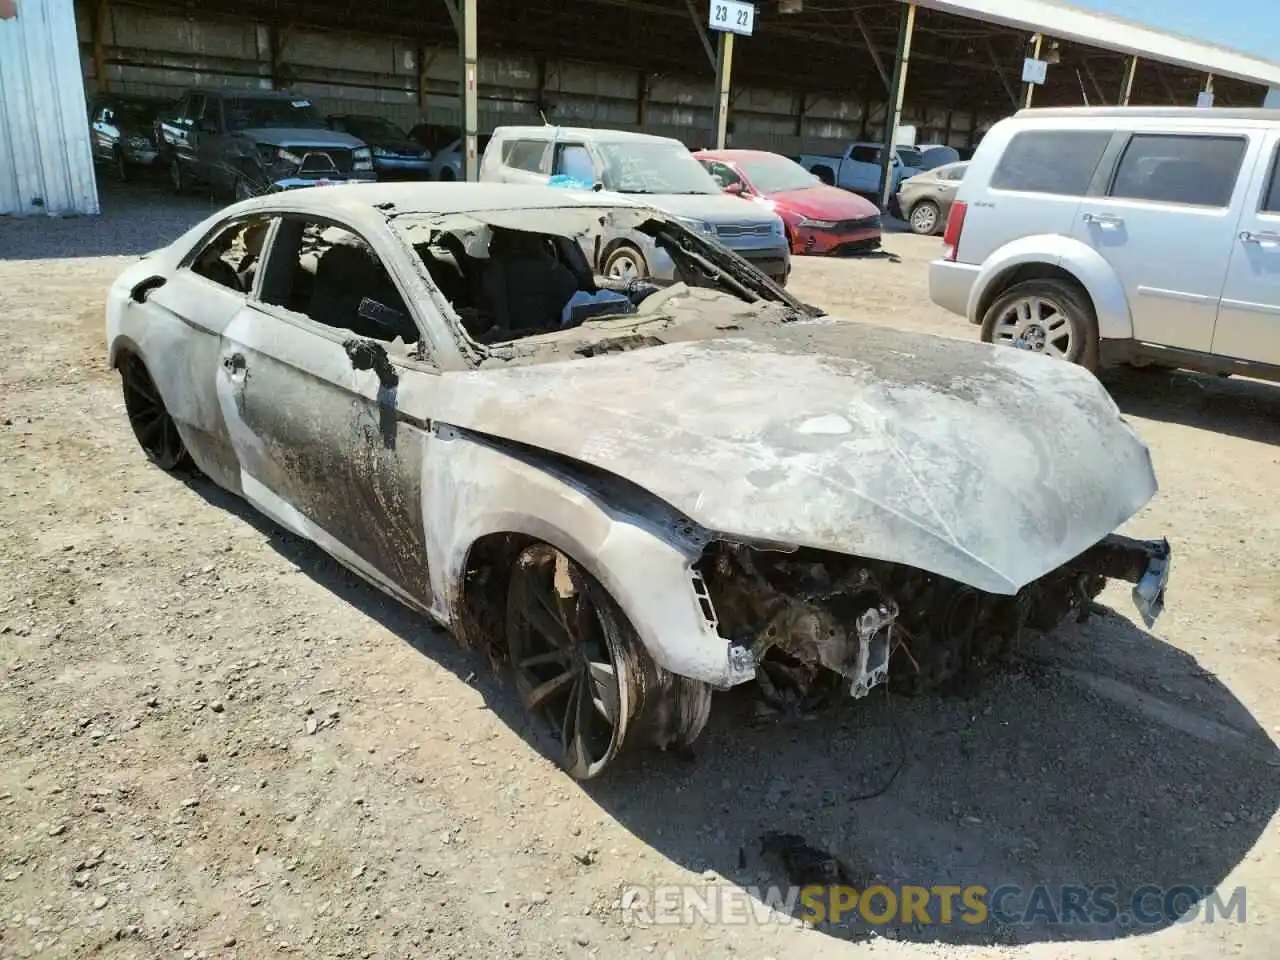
(955, 223)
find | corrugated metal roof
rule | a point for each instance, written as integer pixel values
(1062, 21)
(46, 163)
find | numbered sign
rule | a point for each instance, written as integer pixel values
(732, 16)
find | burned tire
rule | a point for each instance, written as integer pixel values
(1053, 317)
(583, 673)
(625, 263)
(152, 425)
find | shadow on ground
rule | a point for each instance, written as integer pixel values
(137, 217)
(1103, 756)
(1249, 409)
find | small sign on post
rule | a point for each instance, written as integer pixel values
(1035, 71)
(1204, 98)
(732, 16)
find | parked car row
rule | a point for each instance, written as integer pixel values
(242, 142)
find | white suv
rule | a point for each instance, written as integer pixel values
(1113, 235)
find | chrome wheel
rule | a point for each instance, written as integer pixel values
(564, 642)
(1039, 324)
(155, 430)
(924, 219)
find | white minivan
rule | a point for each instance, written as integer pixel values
(1123, 235)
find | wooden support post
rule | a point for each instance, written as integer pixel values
(1031, 87)
(724, 75)
(470, 92)
(101, 24)
(1128, 81)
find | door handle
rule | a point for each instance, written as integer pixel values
(1267, 239)
(234, 363)
(1103, 219)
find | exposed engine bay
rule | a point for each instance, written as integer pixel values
(818, 624)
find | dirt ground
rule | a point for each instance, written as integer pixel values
(216, 742)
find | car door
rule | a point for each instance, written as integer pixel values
(104, 133)
(189, 311)
(861, 172)
(1166, 223)
(210, 149)
(1248, 325)
(328, 422)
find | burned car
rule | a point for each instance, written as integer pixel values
(633, 493)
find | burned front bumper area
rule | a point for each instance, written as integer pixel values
(813, 624)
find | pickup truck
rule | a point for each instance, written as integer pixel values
(859, 169)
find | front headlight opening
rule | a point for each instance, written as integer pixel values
(362, 159)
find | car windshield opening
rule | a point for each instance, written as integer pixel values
(642, 167)
(777, 174)
(374, 128)
(244, 113)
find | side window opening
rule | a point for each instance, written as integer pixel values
(1271, 198)
(231, 258)
(524, 155)
(1195, 170)
(1058, 162)
(725, 175)
(574, 160)
(520, 284)
(334, 277)
(865, 155)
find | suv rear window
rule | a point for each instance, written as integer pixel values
(1051, 161)
(1180, 169)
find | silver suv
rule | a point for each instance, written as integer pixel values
(1123, 235)
(657, 171)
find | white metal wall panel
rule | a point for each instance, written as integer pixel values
(46, 165)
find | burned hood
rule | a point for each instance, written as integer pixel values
(986, 465)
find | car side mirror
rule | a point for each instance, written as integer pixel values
(737, 189)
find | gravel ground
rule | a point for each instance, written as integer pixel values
(215, 742)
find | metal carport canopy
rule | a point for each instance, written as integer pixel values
(1061, 21)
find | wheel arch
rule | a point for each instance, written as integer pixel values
(638, 548)
(1055, 258)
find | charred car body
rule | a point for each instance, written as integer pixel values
(244, 143)
(648, 492)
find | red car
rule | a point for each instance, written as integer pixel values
(820, 219)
